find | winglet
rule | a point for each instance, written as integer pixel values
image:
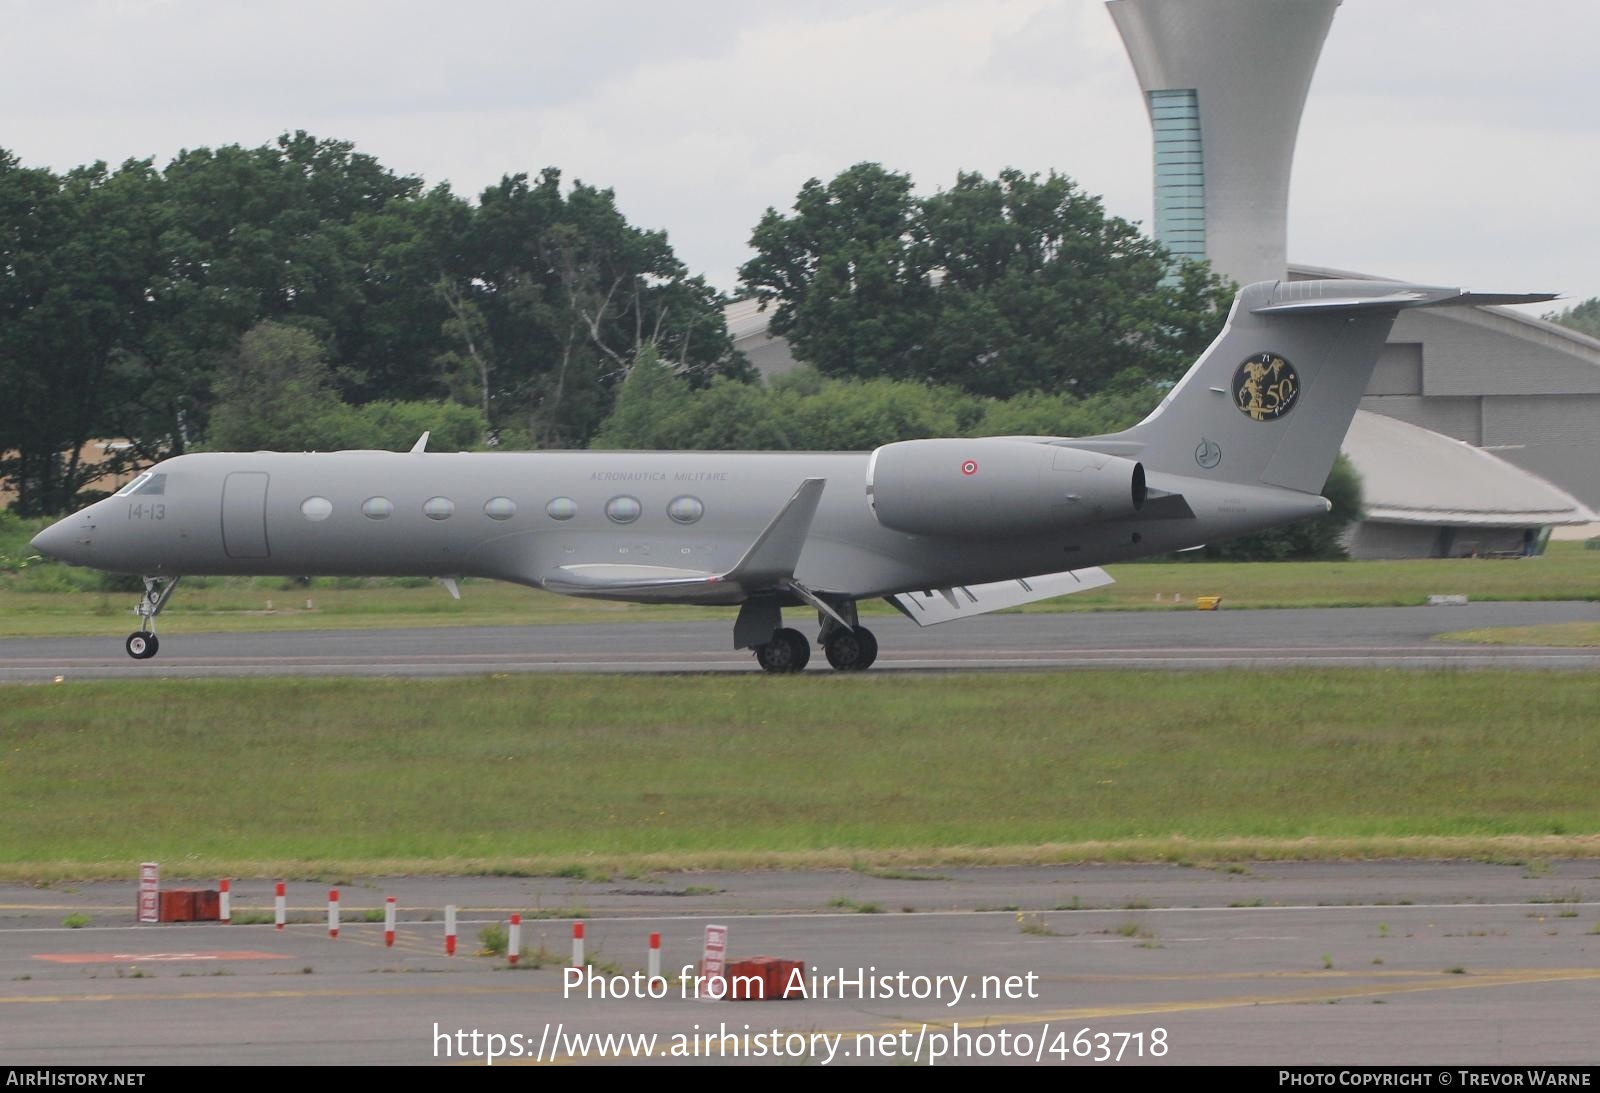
(776, 551)
(421, 445)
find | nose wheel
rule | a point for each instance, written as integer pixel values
(142, 644)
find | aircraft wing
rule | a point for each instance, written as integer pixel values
(929, 608)
(768, 564)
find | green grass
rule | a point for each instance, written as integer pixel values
(840, 903)
(46, 599)
(1034, 925)
(232, 605)
(1565, 572)
(538, 774)
(897, 874)
(1567, 634)
(493, 940)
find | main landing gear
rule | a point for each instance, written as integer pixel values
(849, 646)
(143, 644)
(786, 651)
(851, 650)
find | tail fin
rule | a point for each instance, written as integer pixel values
(1269, 402)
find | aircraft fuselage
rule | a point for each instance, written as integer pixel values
(520, 516)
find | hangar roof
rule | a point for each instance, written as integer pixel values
(1412, 475)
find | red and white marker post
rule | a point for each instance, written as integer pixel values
(150, 892)
(224, 901)
(713, 984)
(514, 940)
(388, 923)
(279, 905)
(333, 912)
(655, 958)
(577, 944)
(450, 930)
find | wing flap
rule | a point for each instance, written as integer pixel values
(933, 606)
(606, 577)
(767, 565)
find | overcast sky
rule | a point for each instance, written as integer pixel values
(1452, 141)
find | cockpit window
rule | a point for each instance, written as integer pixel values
(149, 483)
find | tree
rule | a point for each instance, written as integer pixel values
(272, 392)
(571, 295)
(849, 292)
(390, 426)
(994, 286)
(804, 411)
(1583, 317)
(649, 411)
(469, 362)
(80, 253)
(277, 393)
(1040, 414)
(302, 229)
(125, 294)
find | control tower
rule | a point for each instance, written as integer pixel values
(1225, 82)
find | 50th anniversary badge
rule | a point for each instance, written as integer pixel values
(1265, 386)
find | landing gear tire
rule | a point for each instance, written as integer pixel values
(851, 650)
(142, 645)
(787, 651)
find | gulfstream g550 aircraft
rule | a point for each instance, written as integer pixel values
(941, 528)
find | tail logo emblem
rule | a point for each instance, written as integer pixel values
(1265, 387)
(1208, 453)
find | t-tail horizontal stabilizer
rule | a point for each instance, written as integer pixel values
(963, 601)
(1293, 298)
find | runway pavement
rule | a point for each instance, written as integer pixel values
(1401, 637)
(1335, 963)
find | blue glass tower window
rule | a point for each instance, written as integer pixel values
(1180, 173)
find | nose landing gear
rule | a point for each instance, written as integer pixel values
(143, 644)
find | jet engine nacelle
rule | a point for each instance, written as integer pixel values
(997, 487)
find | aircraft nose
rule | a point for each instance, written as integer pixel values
(63, 540)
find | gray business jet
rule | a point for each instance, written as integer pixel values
(942, 529)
